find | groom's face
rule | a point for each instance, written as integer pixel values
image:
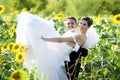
(70, 24)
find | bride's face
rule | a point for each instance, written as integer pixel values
(70, 24)
(83, 25)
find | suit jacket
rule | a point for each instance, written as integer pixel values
(75, 55)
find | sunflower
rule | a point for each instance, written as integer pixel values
(4, 47)
(98, 18)
(2, 9)
(16, 47)
(11, 8)
(18, 75)
(10, 16)
(113, 47)
(20, 57)
(24, 9)
(16, 12)
(116, 19)
(11, 32)
(10, 46)
(7, 23)
(25, 48)
(59, 17)
(105, 26)
(11, 35)
(12, 29)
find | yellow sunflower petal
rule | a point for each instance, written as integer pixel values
(16, 47)
(24, 9)
(2, 8)
(19, 57)
(116, 19)
(4, 47)
(18, 75)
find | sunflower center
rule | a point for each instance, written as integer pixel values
(20, 56)
(12, 30)
(16, 76)
(5, 47)
(118, 18)
(16, 47)
(0, 8)
(59, 15)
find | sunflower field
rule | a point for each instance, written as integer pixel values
(102, 62)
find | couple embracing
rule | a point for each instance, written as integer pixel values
(55, 56)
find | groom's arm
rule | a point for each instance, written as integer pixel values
(84, 52)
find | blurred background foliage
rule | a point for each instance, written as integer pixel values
(69, 7)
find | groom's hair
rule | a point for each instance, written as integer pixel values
(73, 18)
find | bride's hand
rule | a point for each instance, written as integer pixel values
(42, 37)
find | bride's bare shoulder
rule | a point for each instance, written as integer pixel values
(79, 35)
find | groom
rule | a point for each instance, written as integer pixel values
(74, 65)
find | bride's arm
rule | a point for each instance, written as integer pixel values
(60, 39)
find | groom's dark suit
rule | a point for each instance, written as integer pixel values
(73, 67)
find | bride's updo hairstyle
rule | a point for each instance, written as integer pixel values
(88, 19)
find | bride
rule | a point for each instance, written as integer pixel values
(85, 38)
(47, 57)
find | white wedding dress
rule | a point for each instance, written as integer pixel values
(47, 57)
